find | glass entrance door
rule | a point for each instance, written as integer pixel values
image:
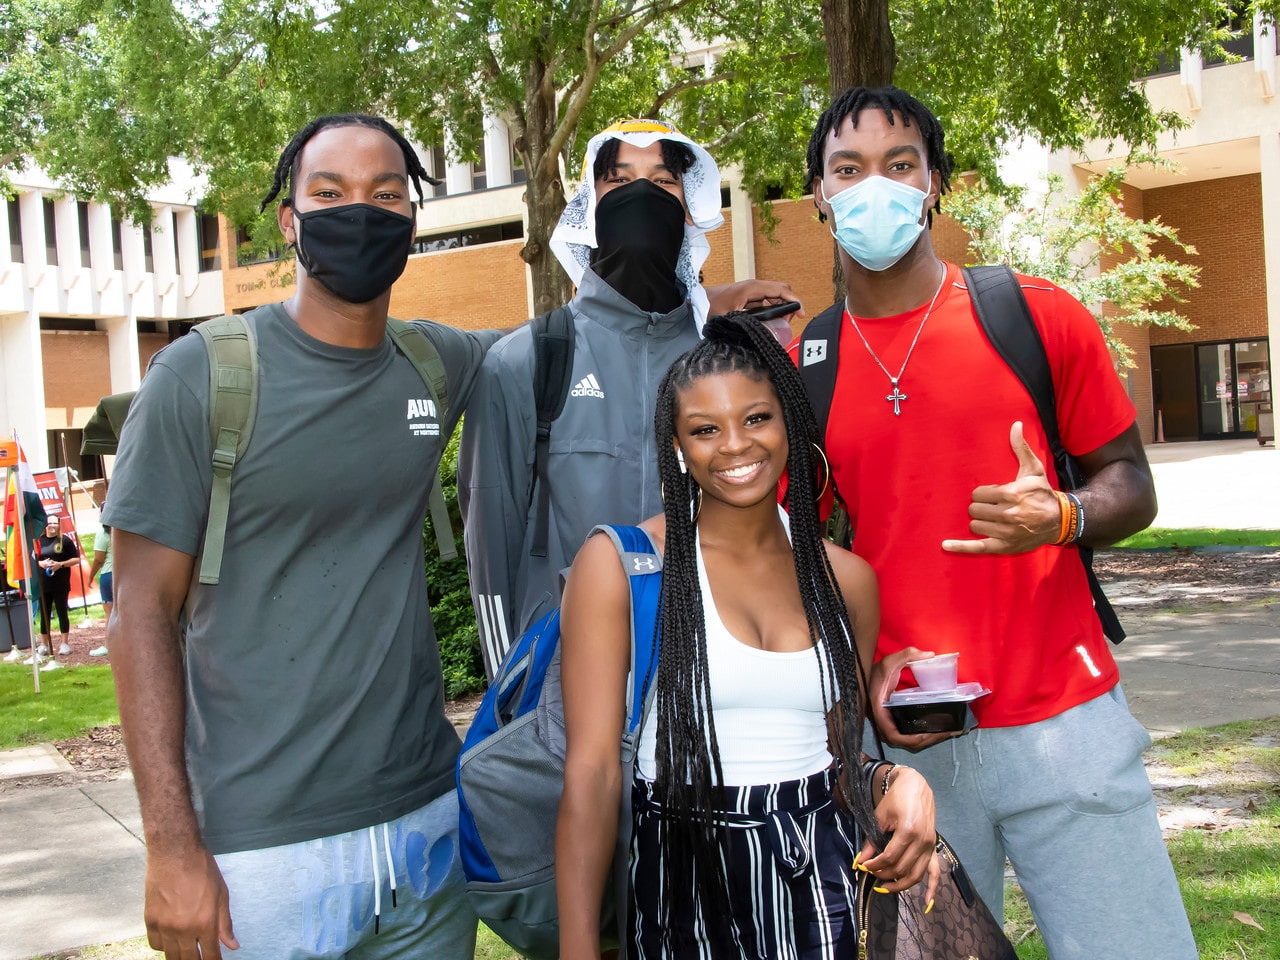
(1233, 386)
(1217, 392)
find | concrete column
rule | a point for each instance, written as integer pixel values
(122, 351)
(457, 176)
(1264, 53)
(1269, 149)
(100, 253)
(22, 393)
(132, 256)
(1190, 68)
(166, 265)
(31, 205)
(744, 234)
(68, 239)
(185, 223)
(497, 151)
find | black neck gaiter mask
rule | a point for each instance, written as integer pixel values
(357, 251)
(639, 231)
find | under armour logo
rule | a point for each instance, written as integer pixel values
(643, 563)
(815, 351)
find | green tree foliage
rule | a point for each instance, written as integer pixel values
(102, 92)
(450, 599)
(1086, 244)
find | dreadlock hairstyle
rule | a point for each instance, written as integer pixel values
(687, 751)
(287, 167)
(894, 103)
(676, 157)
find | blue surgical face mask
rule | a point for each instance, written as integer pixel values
(877, 220)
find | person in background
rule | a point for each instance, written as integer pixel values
(632, 239)
(101, 568)
(55, 554)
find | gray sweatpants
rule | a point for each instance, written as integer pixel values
(1068, 801)
(332, 897)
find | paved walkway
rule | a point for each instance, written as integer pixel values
(71, 858)
(1230, 484)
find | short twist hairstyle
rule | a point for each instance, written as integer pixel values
(894, 103)
(288, 166)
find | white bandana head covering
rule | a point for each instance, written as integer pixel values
(575, 236)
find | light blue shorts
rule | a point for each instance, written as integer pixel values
(1068, 801)
(332, 897)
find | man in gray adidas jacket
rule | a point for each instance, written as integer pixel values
(632, 239)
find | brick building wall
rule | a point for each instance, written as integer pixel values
(77, 374)
(1222, 220)
(1136, 338)
(475, 288)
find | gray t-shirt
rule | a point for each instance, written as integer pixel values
(314, 692)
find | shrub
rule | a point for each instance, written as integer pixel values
(447, 591)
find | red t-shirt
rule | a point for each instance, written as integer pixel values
(1024, 625)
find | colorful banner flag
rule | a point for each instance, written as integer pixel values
(22, 498)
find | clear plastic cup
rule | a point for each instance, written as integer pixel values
(936, 673)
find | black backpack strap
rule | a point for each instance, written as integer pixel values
(818, 359)
(552, 370)
(1006, 320)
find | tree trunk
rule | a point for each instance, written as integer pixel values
(544, 192)
(860, 53)
(860, 48)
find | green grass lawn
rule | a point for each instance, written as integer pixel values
(70, 701)
(1206, 537)
(1230, 879)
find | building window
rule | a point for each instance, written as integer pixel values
(82, 214)
(439, 167)
(246, 255)
(15, 230)
(479, 176)
(50, 234)
(117, 244)
(469, 237)
(148, 250)
(210, 248)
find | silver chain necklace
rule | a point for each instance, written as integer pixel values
(897, 396)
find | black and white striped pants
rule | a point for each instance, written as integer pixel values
(789, 862)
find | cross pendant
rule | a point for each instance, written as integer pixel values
(896, 397)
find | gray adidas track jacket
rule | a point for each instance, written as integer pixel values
(602, 466)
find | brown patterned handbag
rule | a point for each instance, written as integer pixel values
(959, 927)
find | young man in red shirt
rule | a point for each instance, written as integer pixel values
(938, 452)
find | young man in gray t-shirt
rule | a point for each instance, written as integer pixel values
(298, 780)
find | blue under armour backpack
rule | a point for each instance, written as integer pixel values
(511, 770)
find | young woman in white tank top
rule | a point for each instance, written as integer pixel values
(752, 799)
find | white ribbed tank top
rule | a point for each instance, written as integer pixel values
(767, 707)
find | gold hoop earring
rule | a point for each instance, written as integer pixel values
(826, 470)
(696, 504)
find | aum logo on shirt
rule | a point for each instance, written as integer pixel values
(421, 427)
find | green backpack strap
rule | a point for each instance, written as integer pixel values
(233, 404)
(422, 353)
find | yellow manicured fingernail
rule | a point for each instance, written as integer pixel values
(856, 857)
(880, 890)
(928, 907)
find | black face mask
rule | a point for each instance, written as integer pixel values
(639, 230)
(356, 251)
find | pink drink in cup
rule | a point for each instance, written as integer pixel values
(936, 673)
